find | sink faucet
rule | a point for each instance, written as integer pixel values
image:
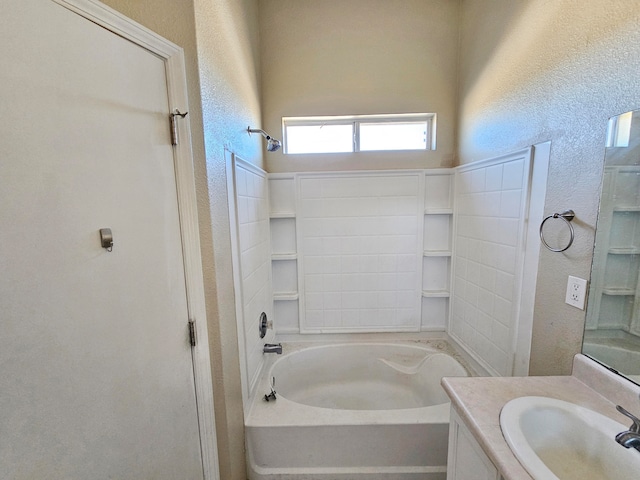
(272, 348)
(629, 438)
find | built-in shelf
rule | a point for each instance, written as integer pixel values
(618, 291)
(283, 235)
(285, 296)
(624, 251)
(437, 253)
(284, 256)
(438, 211)
(436, 249)
(435, 293)
(284, 251)
(282, 215)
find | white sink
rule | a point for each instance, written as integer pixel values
(554, 439)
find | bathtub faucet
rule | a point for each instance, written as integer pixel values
(631, 437)
(272, 348)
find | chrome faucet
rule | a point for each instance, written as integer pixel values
(629, 438)
(272, 348)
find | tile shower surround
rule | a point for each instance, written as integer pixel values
(491, 201)
(381, 251)
(366, 254)
(251, 191)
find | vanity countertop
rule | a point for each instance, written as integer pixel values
(478, 401)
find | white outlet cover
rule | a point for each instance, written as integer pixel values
(576, 292)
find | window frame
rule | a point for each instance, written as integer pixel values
(355, 121)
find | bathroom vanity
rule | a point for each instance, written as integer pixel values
(477, 448)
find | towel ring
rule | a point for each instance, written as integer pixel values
(567, 216)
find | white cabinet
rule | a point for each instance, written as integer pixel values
(466, 459)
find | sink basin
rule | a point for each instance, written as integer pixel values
(553, 439)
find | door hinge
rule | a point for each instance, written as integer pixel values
(174, 125)
(192, 333)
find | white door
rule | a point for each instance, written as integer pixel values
(96, 374)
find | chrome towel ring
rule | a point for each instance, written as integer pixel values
(567, 216)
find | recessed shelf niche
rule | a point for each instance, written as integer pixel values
(437, 251)
(284, 252)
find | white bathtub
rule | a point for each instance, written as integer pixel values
(353, 411)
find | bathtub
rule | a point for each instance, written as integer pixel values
(363, 411)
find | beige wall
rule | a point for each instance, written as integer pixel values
(534, 70)
(220, 41)
(336, 57)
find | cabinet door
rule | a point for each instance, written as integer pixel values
(466, 460)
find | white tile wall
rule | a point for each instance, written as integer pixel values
(360, 239)
(488, 253)
(255, 261)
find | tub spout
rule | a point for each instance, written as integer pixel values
(272, 348)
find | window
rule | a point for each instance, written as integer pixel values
(361, 133)
(619, 130)
(319, 138)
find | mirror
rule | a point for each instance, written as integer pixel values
(612, 330)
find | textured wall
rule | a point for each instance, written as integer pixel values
(336, 57)
(534, 70)
(227, 39)
(221, 47)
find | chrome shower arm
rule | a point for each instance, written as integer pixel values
(272, 143)
(257, 130)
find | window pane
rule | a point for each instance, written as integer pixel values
(319, 138)
(393, 136)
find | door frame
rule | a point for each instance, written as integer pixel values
(173, 57)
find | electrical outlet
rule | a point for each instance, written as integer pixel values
(576, 292)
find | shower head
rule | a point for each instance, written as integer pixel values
(272, 143)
